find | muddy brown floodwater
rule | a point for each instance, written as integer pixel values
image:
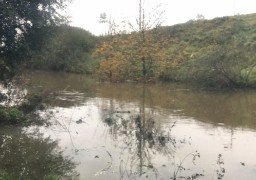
(135, 131)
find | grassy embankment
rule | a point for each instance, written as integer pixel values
(216, 53)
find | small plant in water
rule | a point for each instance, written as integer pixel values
(181, 168)
(221, 170)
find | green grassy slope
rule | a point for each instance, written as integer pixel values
(218, 52)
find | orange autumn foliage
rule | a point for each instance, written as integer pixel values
(125, 56)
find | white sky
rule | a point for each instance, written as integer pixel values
(86, 14)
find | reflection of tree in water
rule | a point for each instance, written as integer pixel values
(142, 137)
(24, 156)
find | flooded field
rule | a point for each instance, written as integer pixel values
(103, 131)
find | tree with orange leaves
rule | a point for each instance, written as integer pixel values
(139, 55)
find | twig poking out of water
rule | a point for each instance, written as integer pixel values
(174, 124)
(122, 112)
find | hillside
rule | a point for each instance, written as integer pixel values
(218, 52)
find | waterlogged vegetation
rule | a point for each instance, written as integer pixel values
(146, 126)
(11, 115)
(130, 131)
(157, 131)
(20, 108)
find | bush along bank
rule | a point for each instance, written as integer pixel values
(23, 114)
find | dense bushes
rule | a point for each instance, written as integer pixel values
(67, 49)
(18, 21)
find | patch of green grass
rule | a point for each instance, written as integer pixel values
(11, 115)
(5, 176)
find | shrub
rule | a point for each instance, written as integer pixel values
(11, 115)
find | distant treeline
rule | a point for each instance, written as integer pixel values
(212, 53)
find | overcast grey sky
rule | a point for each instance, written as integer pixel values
(86, 14)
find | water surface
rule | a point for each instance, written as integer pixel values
(156, 131)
